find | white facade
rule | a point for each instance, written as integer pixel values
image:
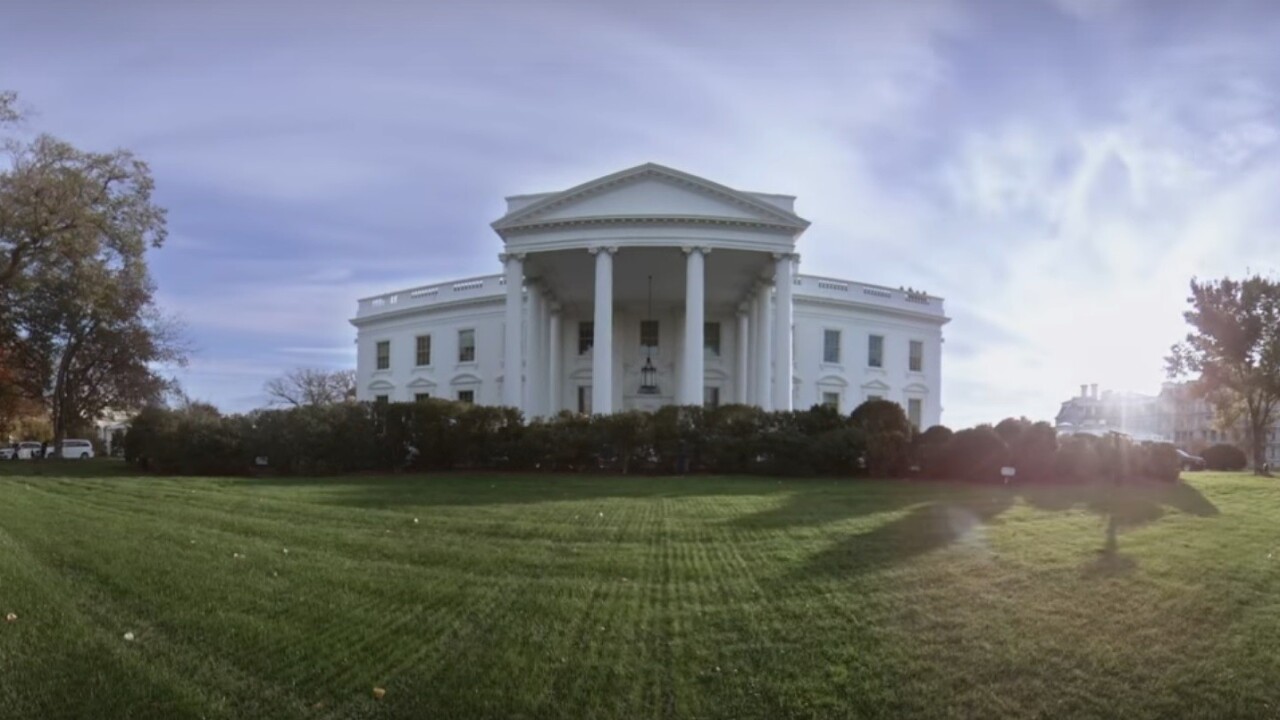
(697, 280)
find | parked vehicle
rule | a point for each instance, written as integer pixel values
(72, 449)
(1190, 462)
(21, 451)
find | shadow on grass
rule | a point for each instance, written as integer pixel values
(962, 514)
(938, 514)
(67, 468)
(475, 489)
(924, 528)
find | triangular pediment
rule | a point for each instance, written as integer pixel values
(649, 191)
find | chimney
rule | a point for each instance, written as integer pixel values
(1093, 389)
(1084, 391)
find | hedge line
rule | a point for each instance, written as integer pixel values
(875, 440)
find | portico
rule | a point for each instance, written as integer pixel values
(710, 262)
(645, 305)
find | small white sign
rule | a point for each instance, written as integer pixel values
(260, 460)
(1008, 472)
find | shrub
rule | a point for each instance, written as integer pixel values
(930, 452)
(1077, 459)
(1224, 457)
(1032, 449)
(977, 454)
(1162, 462)
(936, 435)
(888, 453)
(874, 440)
(875, 416)
(839, 451)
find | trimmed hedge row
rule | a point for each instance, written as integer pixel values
(1224, 457)
(875, 440)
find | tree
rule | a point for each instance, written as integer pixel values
(79, 330)
(1234, 348)
(8, 107)
(58, 200)
(90, 338)
(311, 386)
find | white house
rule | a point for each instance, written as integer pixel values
(649, 287)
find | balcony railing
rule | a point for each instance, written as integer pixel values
(849, 291)
(472, 288)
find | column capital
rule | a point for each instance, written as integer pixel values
(505, 256)
(596, 249)
(743, 308)
(794, 257)
(688, 249)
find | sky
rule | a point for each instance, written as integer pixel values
(1058, 170)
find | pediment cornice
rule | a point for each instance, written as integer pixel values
(763, 214)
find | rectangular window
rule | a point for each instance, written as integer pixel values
(584, 399)
(711, 338)
(831, 399)
(384, 355)
(915, 356)
(586, 337)
(875, 351)
(423, 350)
(831, 346)
(915, 408)
(711, 397)
(649, 333)
(380, 399)
(466, 397)
(873, 398)
(420, 397)
(466, 346)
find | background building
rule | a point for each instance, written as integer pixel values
(1176, 415)
(651, 287)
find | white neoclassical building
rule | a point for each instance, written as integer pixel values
(649, 287)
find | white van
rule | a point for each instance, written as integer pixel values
(24, 451)
(72, 449)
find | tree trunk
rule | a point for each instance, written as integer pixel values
(1259, 450)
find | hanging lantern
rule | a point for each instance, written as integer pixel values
(648, 373)
(648, 378)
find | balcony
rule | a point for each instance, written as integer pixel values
(479, 288)
(811, 286)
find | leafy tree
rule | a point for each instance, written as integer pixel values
(1234, 348)
(312, 386)
(89, 338)
(78, 327)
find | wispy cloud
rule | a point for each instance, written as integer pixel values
(1058, 170)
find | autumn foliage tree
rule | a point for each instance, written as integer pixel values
(79, 328)
(1233, 350)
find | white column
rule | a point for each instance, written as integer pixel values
(602, 350)
(764, 348)
(555, 345)
(512, 387)
(691, 370)
(534, 368)
(743, 380)
(782, 364)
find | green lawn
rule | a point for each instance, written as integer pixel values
(578, 597)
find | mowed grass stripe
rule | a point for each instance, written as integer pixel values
(720, 597)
